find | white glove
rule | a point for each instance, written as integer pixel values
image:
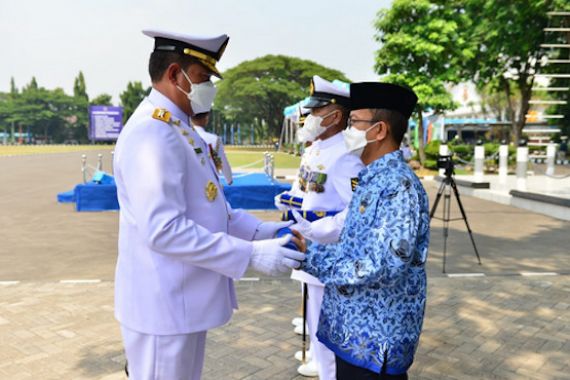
(267, 230)
(270, 257)
(302, 225)
(277, 201)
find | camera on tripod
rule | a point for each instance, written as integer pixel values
(448, 187)
(445, 162)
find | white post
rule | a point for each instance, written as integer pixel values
(550, 158)
(99, 162)
(272, 166)
(522, 164)
(84, 167)
(112, 162)
(479, 162)
(443, 151)
(503, 162)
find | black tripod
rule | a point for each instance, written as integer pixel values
(445, 188)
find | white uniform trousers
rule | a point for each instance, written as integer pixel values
(324, 358)
(164, 357)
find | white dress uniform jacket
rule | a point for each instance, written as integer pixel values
(328, 157)
(216, 148)
(180, 244)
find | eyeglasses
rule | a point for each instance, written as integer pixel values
(352, 121)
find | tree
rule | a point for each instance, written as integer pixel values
(79, 87)
(255, 92)
(79, 123)
(13, 88)
(563, 55)
(102, 100)
(40, 111)
(131, 97)
(423, 46)
(508, 35)
(33, 85)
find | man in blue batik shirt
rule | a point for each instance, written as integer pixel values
(375, 279)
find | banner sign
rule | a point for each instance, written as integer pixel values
(105, 122)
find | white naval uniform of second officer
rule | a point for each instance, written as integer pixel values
(331, 158)
(180, 243)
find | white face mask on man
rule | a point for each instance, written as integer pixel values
(312, 128)
(355, 139)
(201, 95)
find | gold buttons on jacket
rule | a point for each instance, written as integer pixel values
(211, 191)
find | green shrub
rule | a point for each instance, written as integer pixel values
(432, 149)
(430, 164)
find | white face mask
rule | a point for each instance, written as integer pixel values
(201, 95)
(355, 140)
(312, 128)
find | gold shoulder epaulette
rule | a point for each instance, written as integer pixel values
(162, 114)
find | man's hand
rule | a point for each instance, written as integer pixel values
(267, 230)
(270, 257)
(299, 241)
(302, 225)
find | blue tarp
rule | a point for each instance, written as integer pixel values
(96, 197)
(66, 197)
(253, 191)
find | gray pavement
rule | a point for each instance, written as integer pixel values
(512, 321)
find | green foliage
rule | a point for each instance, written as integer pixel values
(80, 122)
(464, 152)
(13, 88)
(432, 149)
(131, 97)
(102, 100)
(508, 35)
(50, 116)
(431, 152)
(255, 92)
(43, 112)
(79, 87)
(423, 46)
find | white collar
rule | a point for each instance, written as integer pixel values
(157, 99)
(331, 141)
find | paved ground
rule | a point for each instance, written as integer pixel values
(502, 325)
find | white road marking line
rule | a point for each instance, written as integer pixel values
(453, 275)
(249, 279)
(9, 282)
(539, 274)
(80, 281)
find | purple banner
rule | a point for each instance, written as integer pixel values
(105, 122)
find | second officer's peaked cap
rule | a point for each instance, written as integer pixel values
(323, 92)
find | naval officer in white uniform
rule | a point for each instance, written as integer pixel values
(322, 191)
(215, 145)
(180, 243)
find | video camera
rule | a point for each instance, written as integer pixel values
(445, 162)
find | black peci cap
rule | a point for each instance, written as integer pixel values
(383, 95)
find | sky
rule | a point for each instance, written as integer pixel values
(53, 40)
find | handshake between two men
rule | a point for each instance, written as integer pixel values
(273, 255)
